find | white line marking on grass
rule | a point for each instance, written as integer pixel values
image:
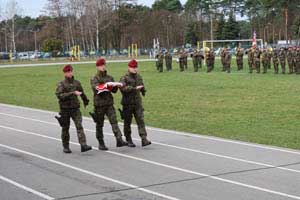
(171, 146)
(178, 133)
(90, 173)
(150, 162)
(23, 187)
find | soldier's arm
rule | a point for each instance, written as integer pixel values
(115, 89)
(143, 90)
(61, 95)
(94, 84)
(83, 95)
(126, 88)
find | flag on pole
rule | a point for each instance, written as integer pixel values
(254, 39)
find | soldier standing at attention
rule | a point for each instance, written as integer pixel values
(282, 58)
(67, 93)
(289, 56)
(239, 58)
(265, 59)
(298, 61)
(195, 56)
(185, 60)
(223, 54)
(133, 87)
(250, 53)
(168, 59)
(104, 104)
(275, 60)
(257, 54)
(160, 58)
(227, 60)
(181, 61)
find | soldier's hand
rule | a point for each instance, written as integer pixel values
(139, 87)
(77, 93)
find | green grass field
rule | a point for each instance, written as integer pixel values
(260, 108)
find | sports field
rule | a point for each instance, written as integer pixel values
(259, 108)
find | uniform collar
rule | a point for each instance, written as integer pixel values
(102, 73)
(69, 80)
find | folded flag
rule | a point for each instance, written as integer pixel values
(107, 87)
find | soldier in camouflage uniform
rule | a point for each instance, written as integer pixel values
(269, 57)
(239, 58)
(132, 89)
(210, 60)
(103, 105)
(168, 59)
(275, 59)
(160, 61)
(298, 61)
(181, 61)
(257, 55)
(67, 92)
(295, 59)
(265, 60)
(185, 60)
(290, 57)
(196, 60)
(223, 54)
(282, 59)
(227, 61)
(250, 53)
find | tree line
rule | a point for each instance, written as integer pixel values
(98, 25)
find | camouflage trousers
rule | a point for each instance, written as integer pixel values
(276, 67)
(196, 66)
(227, 67)
(250, 67)
(257, 66)
(283, 67)
(138, 112)
(160, 67)
(76, 116)
(297, 67)
(291, 66)
(181, 66)
(239, 63)
(265, 66)
(169, 66)
(223, 65)
(110, 112)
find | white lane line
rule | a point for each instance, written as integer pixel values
(169, 167)
(170, 146)
(90, 173)
(23, 187)
(73, 63)
(177, 133)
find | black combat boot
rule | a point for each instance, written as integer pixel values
(85, 148)
(66, 148)
(121, 142)
(102, 145)
(129, 141)
(145, 142)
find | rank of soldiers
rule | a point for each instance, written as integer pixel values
(259, 59)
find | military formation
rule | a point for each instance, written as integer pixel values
(103, 86)
(260, 60)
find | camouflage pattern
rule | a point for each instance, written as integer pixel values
(210, 60)
(181, 61)
(290, 57)
(269, 56)
(239, 58)
(168, 59)
(160, 62)
(70, 108)
(257, 55)
(250, 53)
(185, 60)
(275, 59)
(132, 104)
(222, 55)
(103, 105)
(294, 59)
(298, 61)
(265, 60)
(282, 59)
(227, 61)
(196, 60)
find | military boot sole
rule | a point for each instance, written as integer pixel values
(67, 151)
(86, 148)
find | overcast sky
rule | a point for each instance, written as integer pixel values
(34, 7)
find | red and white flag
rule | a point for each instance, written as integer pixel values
(254, 39)
(107, 87)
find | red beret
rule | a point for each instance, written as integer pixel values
(67, 68)
(100, 62)
(133, 64)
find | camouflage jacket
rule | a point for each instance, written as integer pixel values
(130, 95)
(65, 94)
(168, 58)
(282, 56)
(104, 98)
(239, 54)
